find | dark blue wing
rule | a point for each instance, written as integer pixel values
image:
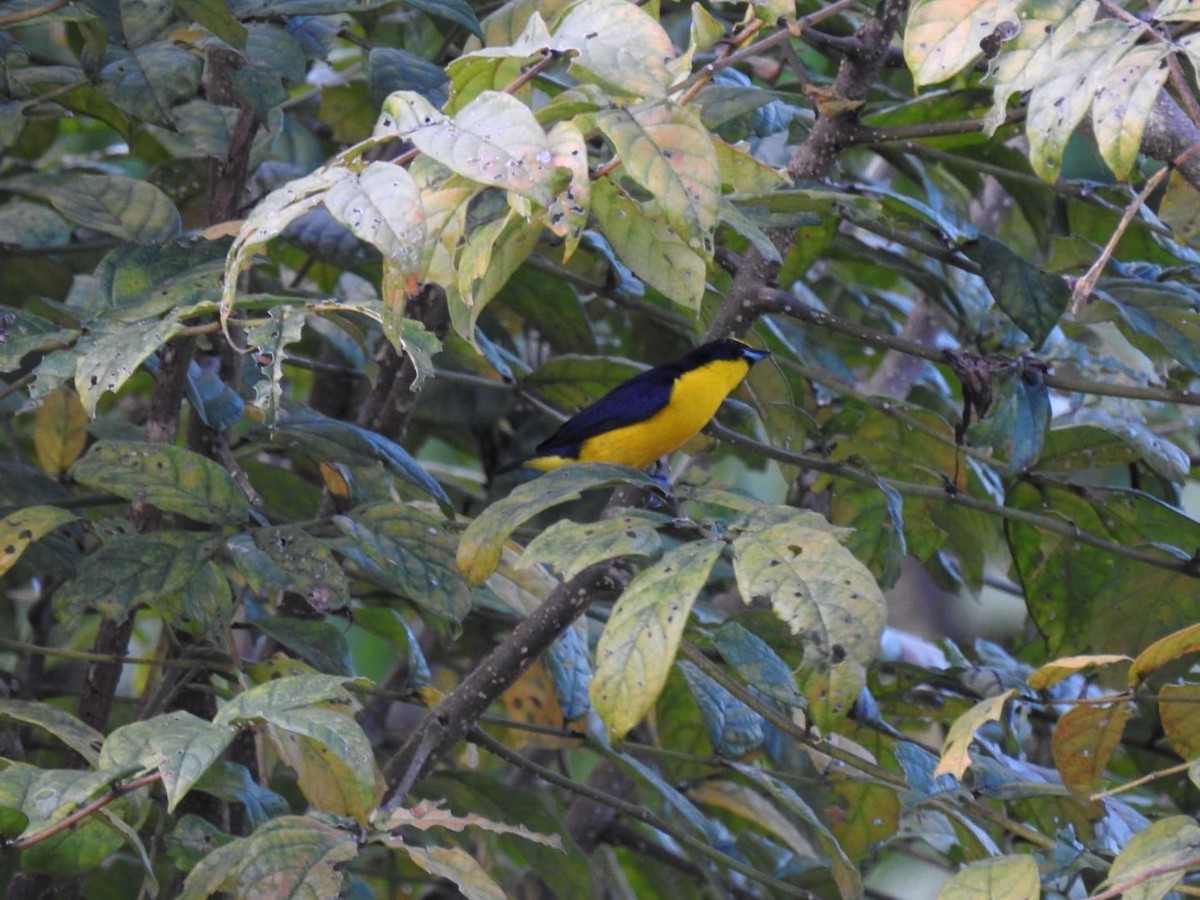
(631, 401)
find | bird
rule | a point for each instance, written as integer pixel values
(652, 414)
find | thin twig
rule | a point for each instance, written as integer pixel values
(116, 792)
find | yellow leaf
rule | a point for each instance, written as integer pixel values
(1002, 878)
(1057, 670)
(1179, 709)
(638, 645)
(1163, 651)
(942, 37)
(955, 757)
(59, 431)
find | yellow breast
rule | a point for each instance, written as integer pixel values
(695, 398)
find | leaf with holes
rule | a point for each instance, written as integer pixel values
(1124, 102)
(570, 547)
(636, 650)
(621, 47)
(942, 36)
(382, 206)
(107, 359)
(21, 528)
(169, 477)
(666, 150)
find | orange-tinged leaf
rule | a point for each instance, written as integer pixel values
(1057, 670)
(955, 756)
(1179, 709)
(458, 866)
(531, 699)
(1083, 742)
(1163, 651)
(431, 814)
(59, 431)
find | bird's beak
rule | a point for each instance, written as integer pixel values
(753, 355)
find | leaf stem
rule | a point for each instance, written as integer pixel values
(115, 792)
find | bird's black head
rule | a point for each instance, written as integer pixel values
(726, 348)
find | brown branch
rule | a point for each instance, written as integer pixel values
(114, 793)
(448, 722)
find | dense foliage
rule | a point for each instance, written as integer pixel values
(286, 284)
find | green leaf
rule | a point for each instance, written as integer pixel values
(636, 650)
(138, 283)
(733, 728)
(294, 856)
(1018, 419)
(107, 357)
(667, 151)
(336, 441)
(216, 16)
(270, 339)
(133, 571)
(408, 553)
(639, 233)
(755, 663)
(845, 874)
(302, 563)
(999, 878)
(570, 547)
(621, 47)
(1033, 299)
(1084, 599)
(282, 694)
(26, 332)
(322, 645)
(1160, 318)
(1156, 858)
(179, 745)
(81, 738)
(169, 477)
(202, 608)
(21, 528)
(149, 80)
(191, 839)
(31, 225)
(457, 11)
(126, 208)
(491, 255)
(481, 544)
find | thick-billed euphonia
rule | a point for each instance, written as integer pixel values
(652, 414)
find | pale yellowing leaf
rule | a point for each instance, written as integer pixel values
(1180, 206)
(645, 242)
(59, 431)
(1177, 11)
(492, 253)
(741, 173)
(570, 547)
(495, 140)
(955, 756)
(1164, 650)
(382, 206)
(942, 36)
(621, 47)
(1155, 859)
(107, 359)
(816, 586)
(636, 650)
(1179, 710)
(1057, 107)
(405, 111)
(1056, 670)
(1031, 58)
(1123, 103)
(1001, 878)
(458, 866)
(666, 150)
(753, 807)
(568, 213)
(431, 814)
